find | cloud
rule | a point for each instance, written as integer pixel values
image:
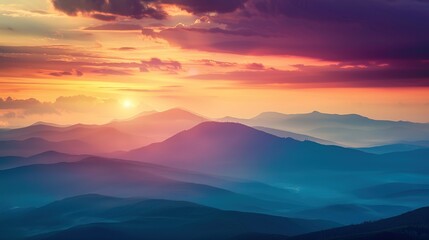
(160, 65)
(82, 103)
(207, 6)
(209, 62)
(111, 9)
(335, 30)
(63, 104)
(74, 72)
(115, 27)
(27, 106)
(64, 110)
(395, 74)
(256, 66)
(126, 49)
(62, 61)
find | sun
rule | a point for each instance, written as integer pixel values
(127, 104)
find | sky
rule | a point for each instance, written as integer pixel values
(92, 61)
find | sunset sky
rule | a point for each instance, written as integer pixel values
(91, 61)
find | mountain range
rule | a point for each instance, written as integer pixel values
(270, 177)
(350, 130)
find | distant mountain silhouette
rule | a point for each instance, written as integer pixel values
(350, 130)
(115, 136)
(413, 225)
(161, 125)
(299, 137)
(42, 158)
(391, 148)
(92, 216)
(33, 146)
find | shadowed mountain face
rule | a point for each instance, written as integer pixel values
(237, 150)
(409, 226)
(100, 217)
(351, 130)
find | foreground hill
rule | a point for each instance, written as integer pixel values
(100, 217)
(409, 226)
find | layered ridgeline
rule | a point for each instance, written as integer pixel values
(46, 181)
(94, 216)
(147, 128)
(237, 150)
(325, 177)
(350, 130)
(95, 139)
(101, 217)
(227, 166)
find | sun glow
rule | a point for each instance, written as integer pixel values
(127, 104)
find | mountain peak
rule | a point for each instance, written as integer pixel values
(176, 113)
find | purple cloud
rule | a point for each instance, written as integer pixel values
(109, 10)
(160, 65)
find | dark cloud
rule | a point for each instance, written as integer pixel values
(149, 33)
(338, 30)
(395, 74)
(104, 17)
(109, 10)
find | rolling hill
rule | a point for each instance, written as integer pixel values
(100, 217)
(38, 184)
